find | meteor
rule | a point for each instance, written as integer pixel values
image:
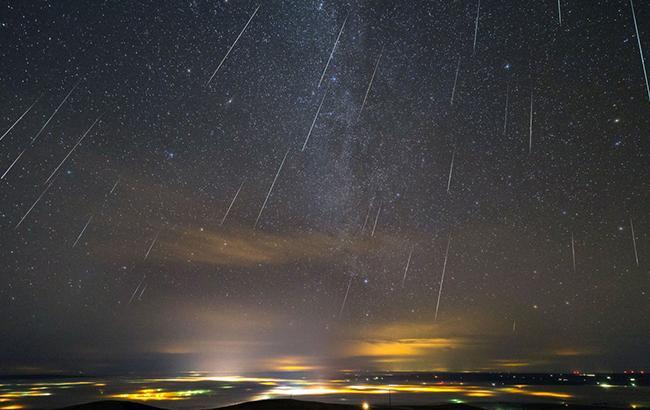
(137, 288)
(20, 118)
(152, 245)
(114, 185)
(33, 205)
(72, 150)
(313, 122)
(376, 219)
(231, 47)
(453, 90)
(345, 298)
(451, 170)
(636, 255)
(231, 204)
(372, 78)
(638, 39)
(55, 111)
(12, 164)
(530, 126)
(406, 269)
(573, 252)
(82, 231)
(365, 222)
(270, 190)
(478, 11)
(333, 49)
(505, 115)
(442, 278)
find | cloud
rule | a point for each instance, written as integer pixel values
(246, 248)
(238, 248)
(574, 351)
(291, 364)
(506, 363)
(401, 347)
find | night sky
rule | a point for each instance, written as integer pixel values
(508, 152)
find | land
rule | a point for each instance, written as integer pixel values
(290, 404)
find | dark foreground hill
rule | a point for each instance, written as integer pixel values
(287, 404)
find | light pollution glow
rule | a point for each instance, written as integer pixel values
(159, 395)
(282, 387)
(195, 386)
(32, 390)
(276, 388)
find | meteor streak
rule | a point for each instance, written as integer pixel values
(82, 231)
(638, 39)
(636, 255)
(333, 49)
(152, 245)
(573, 252)
(114, 186)
(406, 269)
(530, 127)
(20, 118)
(442, 278)
(345, 298)
(55, 111)
(478, 11)
(365, 222)
(33, 205)
(231, 47)
(505, 115)
(451, 170)
(313, 122)
(231, 204)
(137, 288)
(376, 219)
(12, 164)
(72, 150)
(453, 90)
(372, 78)
(270, 190)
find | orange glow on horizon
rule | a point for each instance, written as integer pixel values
(400, 347)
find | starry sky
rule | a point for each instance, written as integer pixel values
(503, 145)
